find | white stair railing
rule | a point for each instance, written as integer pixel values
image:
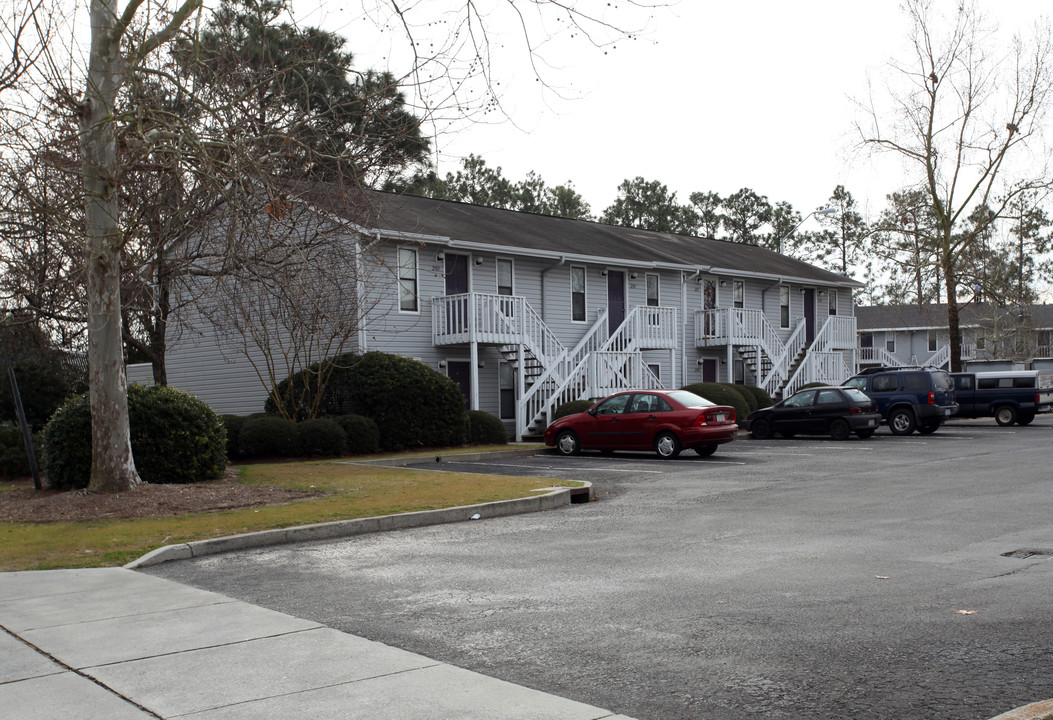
(825, 362)
(940, 358)
(782, 362)
(878, 355)
(537, 400)
(614, 365)
(828, 367)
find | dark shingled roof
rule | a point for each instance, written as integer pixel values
(528, 233)
(895, 317)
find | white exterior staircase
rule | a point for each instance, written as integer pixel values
(780, 366)
(550, 374)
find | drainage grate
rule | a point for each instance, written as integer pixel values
(1025, 553)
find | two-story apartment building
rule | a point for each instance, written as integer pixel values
(526, 312)
(993, 337)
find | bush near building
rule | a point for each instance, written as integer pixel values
(176, 438)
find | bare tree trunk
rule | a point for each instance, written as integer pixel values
(953, 328)
(112, 466)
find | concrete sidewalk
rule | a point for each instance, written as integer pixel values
(111, 644)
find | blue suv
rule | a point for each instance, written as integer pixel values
(909, 398)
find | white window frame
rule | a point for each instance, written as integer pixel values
(584, 293)
(784, 304)
(501, 389)
(738, 293)
(657, 289)
(832, 307)
(415, 290)
(511, 276)
(933, 341)
(656, 369)
(890, 342)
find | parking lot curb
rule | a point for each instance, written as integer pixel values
(457, 457)
(553, 498)
(1035, 711)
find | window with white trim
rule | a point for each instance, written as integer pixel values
(652, 290)
(738, 290)
(890, 342)
(833, 301)
(577, 294)
(407, 277)
(784, 306)
(504, 277)
(932, 341)
(507, 390)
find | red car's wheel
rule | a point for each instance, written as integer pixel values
(667, 446)
(567, 443)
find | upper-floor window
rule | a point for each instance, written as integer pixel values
(577, 294)
(738, 292)
(407, 277)
(833, 302)
(932, 341)
(504, 277)
(784, 306)
(866, 340)
(890, 342)
(652, 290)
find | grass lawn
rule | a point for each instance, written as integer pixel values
(351, 491)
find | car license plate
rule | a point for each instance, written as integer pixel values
(947, 413)
(870, 423)
(722, 417)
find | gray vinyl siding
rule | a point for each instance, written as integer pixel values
(216, 369)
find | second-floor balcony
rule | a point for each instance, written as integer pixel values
(509, 319)
(741, 326)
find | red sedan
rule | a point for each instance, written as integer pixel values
(666, 421)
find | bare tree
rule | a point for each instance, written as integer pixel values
(25, 30)
(968, 123)
(131, 147)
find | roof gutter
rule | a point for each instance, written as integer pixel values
(561, 258)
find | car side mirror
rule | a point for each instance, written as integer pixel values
(592, 411)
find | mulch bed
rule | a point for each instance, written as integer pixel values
(24, 504)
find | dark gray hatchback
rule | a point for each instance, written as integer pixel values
(909, 399)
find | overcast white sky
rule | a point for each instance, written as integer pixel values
(713, 96)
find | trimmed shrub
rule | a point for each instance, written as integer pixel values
(321, 437)
(722, 394)
(809, 385)
(571, 408)
(176, 438)
(762, 398)
(265, 435)
(750, 398)
(412, 405)
(362, 435)
(486, 429)
(233, 423)
(14, 462)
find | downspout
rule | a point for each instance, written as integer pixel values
(546, 271)
(360, 290)
(683, 314)
(764, 293)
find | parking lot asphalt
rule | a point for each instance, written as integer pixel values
(887, 578)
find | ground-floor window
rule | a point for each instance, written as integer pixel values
(507, 389)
